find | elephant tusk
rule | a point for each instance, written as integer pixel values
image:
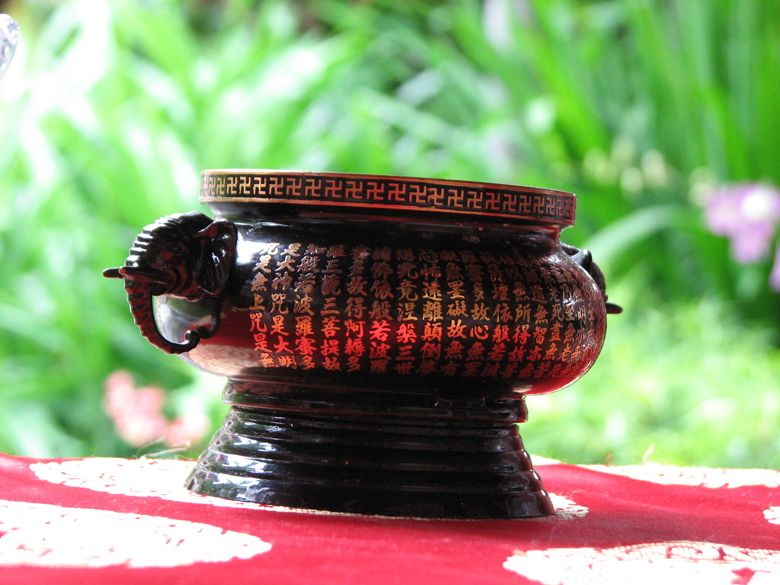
(148, 276)
(113, 273)
(139, 275)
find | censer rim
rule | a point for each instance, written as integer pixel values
(390, 194)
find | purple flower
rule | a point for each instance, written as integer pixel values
(748, 215)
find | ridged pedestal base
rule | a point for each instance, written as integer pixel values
(395, 464)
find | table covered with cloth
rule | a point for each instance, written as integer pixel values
(123, 521)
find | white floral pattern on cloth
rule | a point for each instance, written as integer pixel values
(164, 478)
(694, 476)
(649, 564)
(772, 514)
(146, 478)
(45, 535)
(566, 509)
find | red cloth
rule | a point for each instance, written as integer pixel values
(119, 521)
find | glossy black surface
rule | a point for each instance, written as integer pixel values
(552, 283)
(446, 460)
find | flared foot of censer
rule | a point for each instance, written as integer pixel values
(375, 452)
(379, 335)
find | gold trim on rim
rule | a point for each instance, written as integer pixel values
(377, 192)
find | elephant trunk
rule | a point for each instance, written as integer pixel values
(141, 306)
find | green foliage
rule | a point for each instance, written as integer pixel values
(111, 109)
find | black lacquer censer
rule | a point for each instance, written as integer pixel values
(379, 335)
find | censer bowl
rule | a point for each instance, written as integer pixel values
(378, 335)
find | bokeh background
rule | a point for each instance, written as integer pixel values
(663, 117)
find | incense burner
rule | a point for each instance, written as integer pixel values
(378, 335)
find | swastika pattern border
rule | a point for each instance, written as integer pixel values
(478, 200)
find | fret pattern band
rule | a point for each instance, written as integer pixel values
(488, 201)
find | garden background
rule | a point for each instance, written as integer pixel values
(663, 117)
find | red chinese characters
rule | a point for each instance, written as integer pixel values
(495, 314)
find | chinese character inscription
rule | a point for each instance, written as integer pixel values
(459, 312)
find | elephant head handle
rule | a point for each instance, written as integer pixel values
(585, 259)
(187, 256)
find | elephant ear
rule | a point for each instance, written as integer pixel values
(218, 249)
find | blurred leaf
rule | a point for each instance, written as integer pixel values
(30, 428)
(619, 237)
